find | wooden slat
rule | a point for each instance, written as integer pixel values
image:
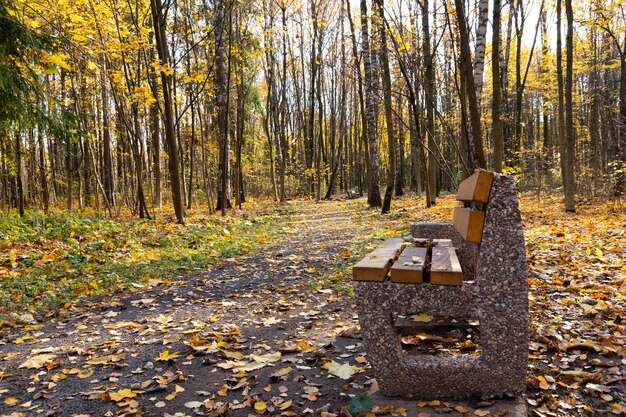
(375, 266)
(469, 223)
(409, 267)
(476, 187)
(445, 268)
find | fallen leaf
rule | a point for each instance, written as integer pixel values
(37, 361)
(122, 394)
(10, 401)
(285, 405)
(421, 318)
(166, 356)
(343, 371)
(193, 404)
(85, 374)
(267, 358)
(260, 407)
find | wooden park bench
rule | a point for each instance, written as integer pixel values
(471, 269)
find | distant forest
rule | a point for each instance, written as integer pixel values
(130, 104)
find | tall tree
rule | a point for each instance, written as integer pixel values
(159, 22)
(570, 205)
(479, 55)
(391, 142)
(222, 87)
(370, 69)
(477, 139)
(429, 81)
(561, 100)
(498, 143)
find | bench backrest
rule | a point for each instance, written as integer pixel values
(469, 217)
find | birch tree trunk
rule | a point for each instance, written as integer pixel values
(371, 71)
(479, 54)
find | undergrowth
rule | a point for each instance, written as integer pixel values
(49, 261)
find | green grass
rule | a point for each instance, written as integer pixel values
(48, 262)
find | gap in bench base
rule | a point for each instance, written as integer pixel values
(439, 336)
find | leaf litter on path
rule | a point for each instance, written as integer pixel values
(275, 332)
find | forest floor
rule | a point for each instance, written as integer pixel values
(274, 332)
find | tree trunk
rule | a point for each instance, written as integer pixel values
(498, 143)
(43, 177)
(391, 141)
(429, 81)
(477, 139)
(570, 159)
(337, 162)
(155, 138)
(309, 144)
(620, 185)
(479, 58)
(400, 148)
(371, 71)
(222, 81)
(362, 112)
(18, 173)
(158, 20)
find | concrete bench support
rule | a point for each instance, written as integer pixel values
(494, 291)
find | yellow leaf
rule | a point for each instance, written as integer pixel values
(164, 319)
(166, 356)
(260, 407)
(282, 372)
(10, 401)
(122, 394)
(87, 374)
(599, 253)
(285, 405)
(233, 355)
(421, 318)
(22, 339)
(267, 358)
